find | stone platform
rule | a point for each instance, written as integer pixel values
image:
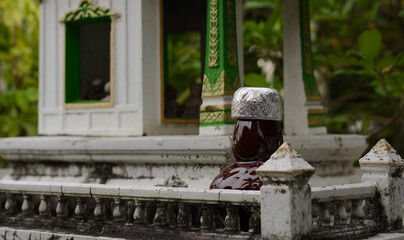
(151, 160)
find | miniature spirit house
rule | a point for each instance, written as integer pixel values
(108, 78)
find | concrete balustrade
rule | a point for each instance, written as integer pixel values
(285, 208)
(108, 210)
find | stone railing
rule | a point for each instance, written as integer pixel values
(345, 210)
(286, 207)
(291, 209)
(341, 205)
(112, 210)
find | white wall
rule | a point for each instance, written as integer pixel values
(137, 75)
(125, 117)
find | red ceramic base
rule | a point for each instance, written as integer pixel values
(239, 176)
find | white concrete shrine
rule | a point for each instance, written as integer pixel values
(93, 168)
(102, 141)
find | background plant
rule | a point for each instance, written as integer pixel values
(357, 50)
(19, 42)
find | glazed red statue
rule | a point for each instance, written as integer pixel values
(257, 135)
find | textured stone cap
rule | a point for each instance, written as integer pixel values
(257, 103)
(285, 161)
(382, 154)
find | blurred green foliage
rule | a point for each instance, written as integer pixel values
(19, 42)
(358, 56)
(263, 39)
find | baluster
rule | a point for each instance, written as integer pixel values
(139, 215)
(342, 213)
(357, 210)
(207, 218)
(232, 219)
(119, 212)
(61, 207)
(44, 206)
(184, 218)
(161, 216)
(11, 204)
(255, 220)
(99, 210)
(315, 215)
(80, 209)
(27, 205)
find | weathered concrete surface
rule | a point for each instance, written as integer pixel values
(387, 236)
(151, 160)
(384, 167)
(127, 232)
(7, 233)
(285, 194)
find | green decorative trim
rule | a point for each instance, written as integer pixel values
(311, 89)
(316, 117)
(231, 43)
(221, 78)
(72, 62)
(220, 30)
(87, 10)
(224, 86)
(213, 35)
(89, 101)
(216, 118)
(215, 107)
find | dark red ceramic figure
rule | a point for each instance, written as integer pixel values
(257, 135)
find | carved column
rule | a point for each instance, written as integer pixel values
(304, 113)
(221, 78)
(285, 196)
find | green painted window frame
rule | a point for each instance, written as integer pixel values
(72, 64)
(86, 13)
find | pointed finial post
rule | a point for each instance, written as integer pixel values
(285, 195)
(384, 167)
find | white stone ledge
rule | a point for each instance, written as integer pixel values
(162, 149)
(189, 195)
(169, 149)
(320, 194)
(329, 147)
(9, 233)
(343, 192)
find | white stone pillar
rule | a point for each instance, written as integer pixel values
(383, 166)
(304, 113)
(285, 196)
